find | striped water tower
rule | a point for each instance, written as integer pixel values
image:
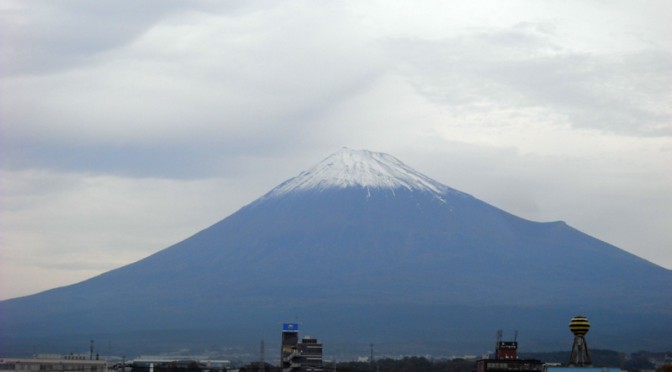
(580, 356)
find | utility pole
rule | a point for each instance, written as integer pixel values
(262, 363)
(371, 359)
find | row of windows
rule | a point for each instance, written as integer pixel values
(49, 367)
(515, 366)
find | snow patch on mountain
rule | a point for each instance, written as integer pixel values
(360, 168)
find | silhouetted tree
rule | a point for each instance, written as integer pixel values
(254, 367)
(664, 368)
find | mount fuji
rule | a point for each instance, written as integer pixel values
(359, 249)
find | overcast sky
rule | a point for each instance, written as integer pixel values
(127, 126)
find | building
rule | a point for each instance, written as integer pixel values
(506, 359)
(56, 363)
(310, 351)
(302, 356)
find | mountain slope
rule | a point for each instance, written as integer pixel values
(362, 239)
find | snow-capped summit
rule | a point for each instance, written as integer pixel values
(360, 168)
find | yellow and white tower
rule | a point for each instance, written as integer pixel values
(580, 356)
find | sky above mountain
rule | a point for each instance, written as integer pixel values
(127, 127)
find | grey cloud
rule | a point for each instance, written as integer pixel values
(175, 109)
(207, 157)
(64, 263)
(524, 68)
(46, 36)
(603, 92)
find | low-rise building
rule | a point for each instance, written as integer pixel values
(506, 360)
(56, 363)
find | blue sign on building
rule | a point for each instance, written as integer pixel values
(290, 327)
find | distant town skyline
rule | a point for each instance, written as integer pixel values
(128, 127)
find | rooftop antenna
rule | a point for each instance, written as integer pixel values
(91, 350)
(515, 336)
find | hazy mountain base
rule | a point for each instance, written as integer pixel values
(432, 330)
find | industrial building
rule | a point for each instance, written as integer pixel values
(299, 356)
(506, 359)
(56, 363)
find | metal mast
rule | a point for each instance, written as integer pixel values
(262, 363)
